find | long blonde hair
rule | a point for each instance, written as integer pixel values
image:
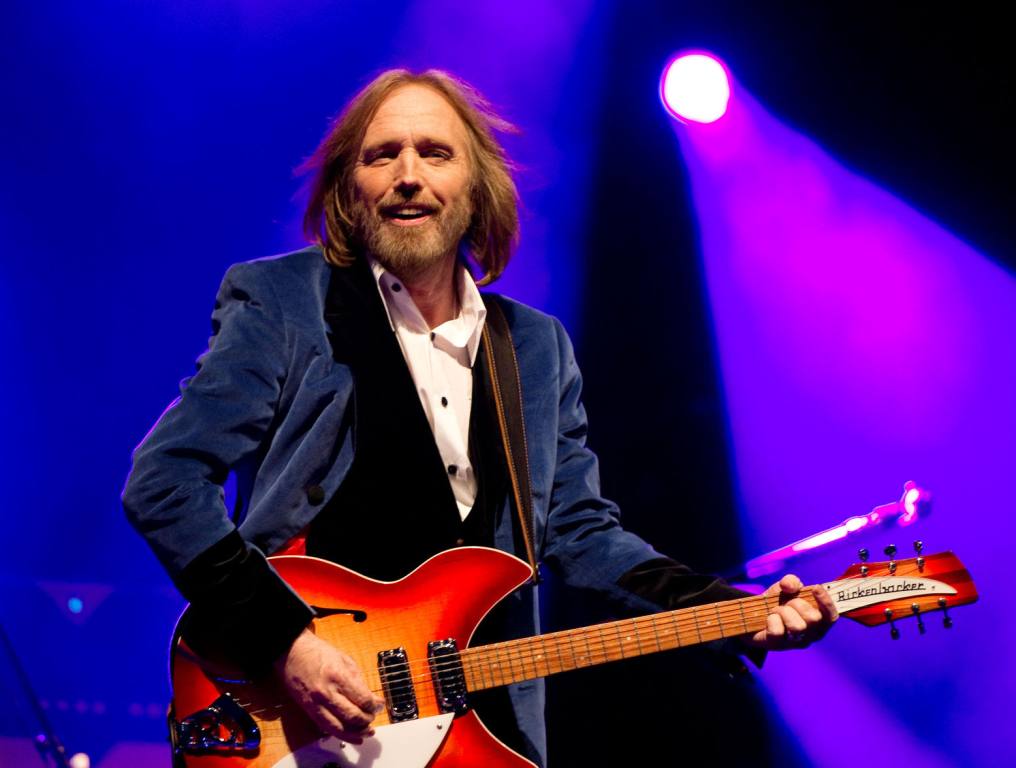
(494, 227)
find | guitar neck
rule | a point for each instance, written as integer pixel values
(513, 661)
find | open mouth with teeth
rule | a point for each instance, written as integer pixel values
(407, 214)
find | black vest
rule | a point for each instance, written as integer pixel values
(396, 507)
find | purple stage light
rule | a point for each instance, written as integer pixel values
(858, 341)
(914, 502)
(911, 499)
(695, 88)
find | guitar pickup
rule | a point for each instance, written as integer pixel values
(449, 679)
(397, 684)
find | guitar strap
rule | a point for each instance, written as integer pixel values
(507, 385)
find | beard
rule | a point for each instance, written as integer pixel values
(411, 251)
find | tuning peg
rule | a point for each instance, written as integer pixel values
(946, 619)
(890, 552)
(918, 548)
(894, 633)
(862, 554)
(916, 610)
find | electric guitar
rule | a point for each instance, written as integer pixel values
(411, 639)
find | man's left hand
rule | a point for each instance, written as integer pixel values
(794, 623)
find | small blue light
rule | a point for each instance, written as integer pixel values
(74, 605)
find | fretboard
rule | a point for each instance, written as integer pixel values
(512, 661)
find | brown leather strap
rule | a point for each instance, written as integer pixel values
(504, 374)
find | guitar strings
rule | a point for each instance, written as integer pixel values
(682, 618)
(507, 657)
(678, 624)
(534, 649)
(508, 654)
(685, 619)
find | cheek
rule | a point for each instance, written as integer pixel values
(369, 186)
(457, 188)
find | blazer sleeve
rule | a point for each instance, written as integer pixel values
(174, 496)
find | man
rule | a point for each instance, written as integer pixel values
(344, 386)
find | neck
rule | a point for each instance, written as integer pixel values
(434, 291)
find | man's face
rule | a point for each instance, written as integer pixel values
(412, 182)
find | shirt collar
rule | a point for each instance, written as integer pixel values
(463, 331)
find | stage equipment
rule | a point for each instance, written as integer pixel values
(46, 741)
(695, 87)
(913, 504)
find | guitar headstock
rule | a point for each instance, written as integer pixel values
(885, 592)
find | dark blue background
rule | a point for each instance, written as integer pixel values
(146, 146)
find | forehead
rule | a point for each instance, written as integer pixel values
(415, 112)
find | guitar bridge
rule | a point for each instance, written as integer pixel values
(449, 679)
(397, 683)
(222, 727)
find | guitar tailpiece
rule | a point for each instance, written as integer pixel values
(222, 727)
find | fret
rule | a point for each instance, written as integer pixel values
(532, 648)
(541, 657)
(527, 652)
(744, 621)
(520, 655)
(504, 680)
(560, 657)
(571, 648)
(719, 620)
(620, 640)
(677, 627)
(511, 665)
(483, 680)
(656, 635)
(638, 642)
(467, 673)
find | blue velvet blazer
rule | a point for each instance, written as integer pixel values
(270, 404)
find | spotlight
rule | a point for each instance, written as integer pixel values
(695, 88)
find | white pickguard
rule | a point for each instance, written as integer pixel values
(401, 745)
(849, 594)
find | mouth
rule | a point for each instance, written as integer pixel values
(408, 215)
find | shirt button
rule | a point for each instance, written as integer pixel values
(396, 287)
(453, 469)
(444, 401)
(432, 335)
(315, 494)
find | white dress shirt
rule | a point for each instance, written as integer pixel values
(441, 361)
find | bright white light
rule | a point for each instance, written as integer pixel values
(695, 88)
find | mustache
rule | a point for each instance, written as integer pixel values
(394, 203)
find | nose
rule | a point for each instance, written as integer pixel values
(407, 173)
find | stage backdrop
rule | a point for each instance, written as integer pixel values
(775, 333)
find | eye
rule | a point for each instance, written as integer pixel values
(436, 153)
(379, 157)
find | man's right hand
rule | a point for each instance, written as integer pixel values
(328, 685)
